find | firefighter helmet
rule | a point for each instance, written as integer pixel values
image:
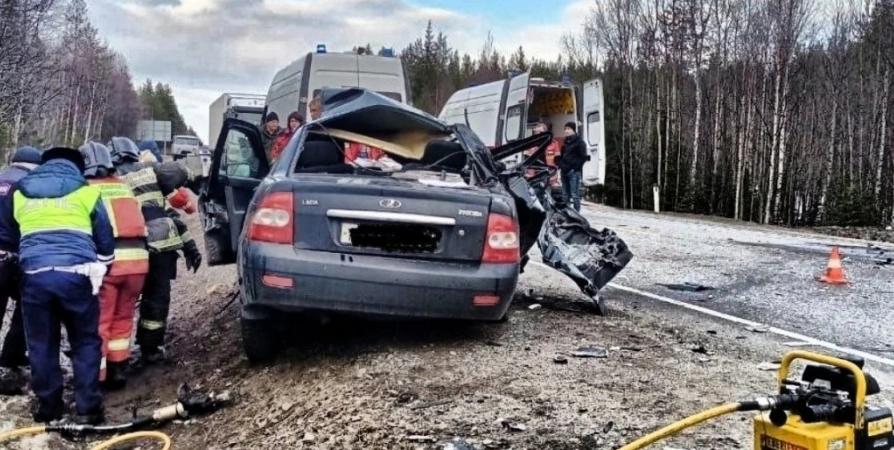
(97, 159)
(123, 149)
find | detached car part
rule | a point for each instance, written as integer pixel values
(566, 239)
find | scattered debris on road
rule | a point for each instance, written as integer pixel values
(422, 439)
(688, 287)
(761, 329)
(700, 349)
(535, 306)
(590, 352)
(514, 426)
(768, 366)
(560, 360)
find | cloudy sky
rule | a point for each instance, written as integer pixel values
(203, 48)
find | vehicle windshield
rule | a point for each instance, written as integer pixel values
(186, 140)
(253, 118)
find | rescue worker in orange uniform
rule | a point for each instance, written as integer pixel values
(124, 281)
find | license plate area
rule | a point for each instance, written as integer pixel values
(345, 235)
(403, 238)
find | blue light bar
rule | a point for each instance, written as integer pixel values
(321, 48)
(387, 52)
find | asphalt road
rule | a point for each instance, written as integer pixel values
(760, 273)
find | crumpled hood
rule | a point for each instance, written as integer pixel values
(53, 179)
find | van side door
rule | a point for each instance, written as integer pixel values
(594, 133)
(238, 165)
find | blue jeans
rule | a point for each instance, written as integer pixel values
(571, 180)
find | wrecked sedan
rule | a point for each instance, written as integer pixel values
(425, 224)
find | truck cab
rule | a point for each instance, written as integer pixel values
(184, 146)
(507, 110)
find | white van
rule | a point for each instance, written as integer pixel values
(294, 86)
(507, 110)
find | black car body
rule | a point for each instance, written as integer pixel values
(445, 236)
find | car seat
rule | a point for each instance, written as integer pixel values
(322, 156)
(444, 154)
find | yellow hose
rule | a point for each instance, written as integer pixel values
(681, 425)
(21, 432)
(111, 443)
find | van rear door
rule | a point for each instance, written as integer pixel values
(594, 133)
(515, 112)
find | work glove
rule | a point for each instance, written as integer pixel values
(192, 256)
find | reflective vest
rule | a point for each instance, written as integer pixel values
(145, 187)
(162, 232)
(68, 213)
(128, 226)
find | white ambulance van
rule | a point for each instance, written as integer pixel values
(506, 110)
(293, 87)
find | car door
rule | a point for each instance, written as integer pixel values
(594, 133)
(238, 165)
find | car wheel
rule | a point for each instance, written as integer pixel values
(260, 340)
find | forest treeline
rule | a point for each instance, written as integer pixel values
(60, 84)
(772, 111)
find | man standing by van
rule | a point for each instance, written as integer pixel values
(571, 163)
(269, 132)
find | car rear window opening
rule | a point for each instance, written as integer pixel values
(396, 237)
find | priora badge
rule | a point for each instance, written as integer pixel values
(390, 203)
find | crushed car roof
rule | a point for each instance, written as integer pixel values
(366, 112)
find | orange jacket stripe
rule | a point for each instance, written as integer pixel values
(128, 226)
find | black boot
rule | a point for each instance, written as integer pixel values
(95, 417)
(42, 413)
(153, 355)
(116, 376)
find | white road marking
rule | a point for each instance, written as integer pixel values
(804, 340)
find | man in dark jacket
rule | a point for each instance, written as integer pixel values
(571, 163)
(270, 131)
(12, 357)
(66, 246)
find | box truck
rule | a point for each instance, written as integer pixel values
(247, 107)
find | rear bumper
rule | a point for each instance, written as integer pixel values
(372, 285)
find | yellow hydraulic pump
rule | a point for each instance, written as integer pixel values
(823, 410)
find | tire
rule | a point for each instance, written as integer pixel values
(260, 340)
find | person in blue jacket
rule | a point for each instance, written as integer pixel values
(152, 147)
(12, 356)
(66, 245)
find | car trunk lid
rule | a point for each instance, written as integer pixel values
(394, 217)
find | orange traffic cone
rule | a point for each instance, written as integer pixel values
(834, 272)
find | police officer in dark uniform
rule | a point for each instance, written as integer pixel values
(12, 356)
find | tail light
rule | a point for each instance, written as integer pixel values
(273, 221)
(501, 245)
